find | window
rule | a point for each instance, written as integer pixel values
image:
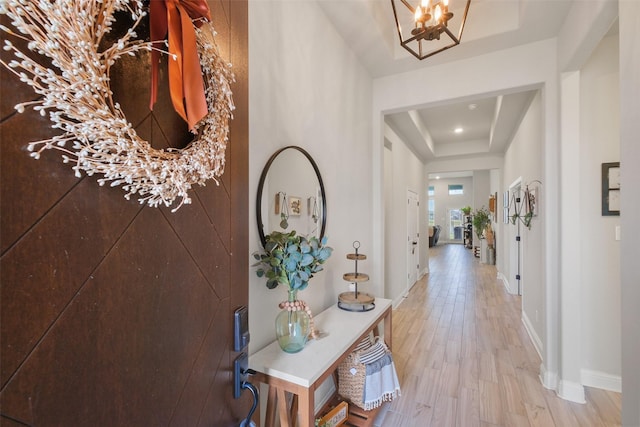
(455, 224)
(432, 212)
(432, 191)
(455, 189)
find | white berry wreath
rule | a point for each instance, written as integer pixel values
(75, 93)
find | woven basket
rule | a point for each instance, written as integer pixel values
(352, 371)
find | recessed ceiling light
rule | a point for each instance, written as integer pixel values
(473, 106)
(458, 130)
(437, 177)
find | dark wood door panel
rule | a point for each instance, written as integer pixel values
(29, 187)
(113, 313)
(203, 242)
(129, 339)
(53, 260)
(217, 204)
(193, 407)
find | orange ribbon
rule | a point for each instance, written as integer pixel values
(174, 17)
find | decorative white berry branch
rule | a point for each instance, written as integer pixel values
(76, 95)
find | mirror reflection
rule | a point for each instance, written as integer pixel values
(291, 195)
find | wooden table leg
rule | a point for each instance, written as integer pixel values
(269, 420)
(306, 410)
(387, 329)
(293, 412)
(285, 421)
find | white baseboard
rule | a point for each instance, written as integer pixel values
(398, 300)
(567, 390)
(549, 379)
(505, 281)
(571, 391)
(535, 339)
(601, 380)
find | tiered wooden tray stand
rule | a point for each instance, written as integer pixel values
(356, 301)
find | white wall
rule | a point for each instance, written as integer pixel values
(404, 171)
(388, 200)
(523, 160)
(599, 251)
(586, 25)
(630, 205)
(571, 274)
(306, 88)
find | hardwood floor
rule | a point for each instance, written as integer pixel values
(464, 358)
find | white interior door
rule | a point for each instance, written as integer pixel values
(413, 246)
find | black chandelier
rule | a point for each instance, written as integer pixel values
(424, 25)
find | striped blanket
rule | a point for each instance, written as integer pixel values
(381, 381)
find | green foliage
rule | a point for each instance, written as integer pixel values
(466, 210)
(481, 220)
(526, 219)
(291, 260)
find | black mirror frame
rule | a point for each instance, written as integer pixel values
(263, 176)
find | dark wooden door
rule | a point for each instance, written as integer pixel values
(112, 313)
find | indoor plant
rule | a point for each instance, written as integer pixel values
(291, 260)
(526, 219)
(481, 220)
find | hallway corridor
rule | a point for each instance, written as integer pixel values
(465, 359)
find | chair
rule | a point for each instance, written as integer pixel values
(434, 234)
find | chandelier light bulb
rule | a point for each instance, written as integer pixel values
(432, 19)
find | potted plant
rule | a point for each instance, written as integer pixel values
(481, 220)
(292, 260)
(466, 210)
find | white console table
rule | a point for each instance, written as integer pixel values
(301, 373)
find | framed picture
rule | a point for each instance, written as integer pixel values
(531, 201)
(295, 206)
(611, 189)
(492, 203)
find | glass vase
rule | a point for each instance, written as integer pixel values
(292, 327)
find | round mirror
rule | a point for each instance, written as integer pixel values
(291, 195)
